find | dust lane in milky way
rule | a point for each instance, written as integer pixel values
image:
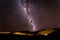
(29, 18)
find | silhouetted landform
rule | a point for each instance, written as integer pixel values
(53, 36)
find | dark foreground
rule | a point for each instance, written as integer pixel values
(52, 36)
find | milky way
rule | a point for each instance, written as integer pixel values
(29, 17)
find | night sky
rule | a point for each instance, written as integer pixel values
(44, 13)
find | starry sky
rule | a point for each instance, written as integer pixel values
(45, 14)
